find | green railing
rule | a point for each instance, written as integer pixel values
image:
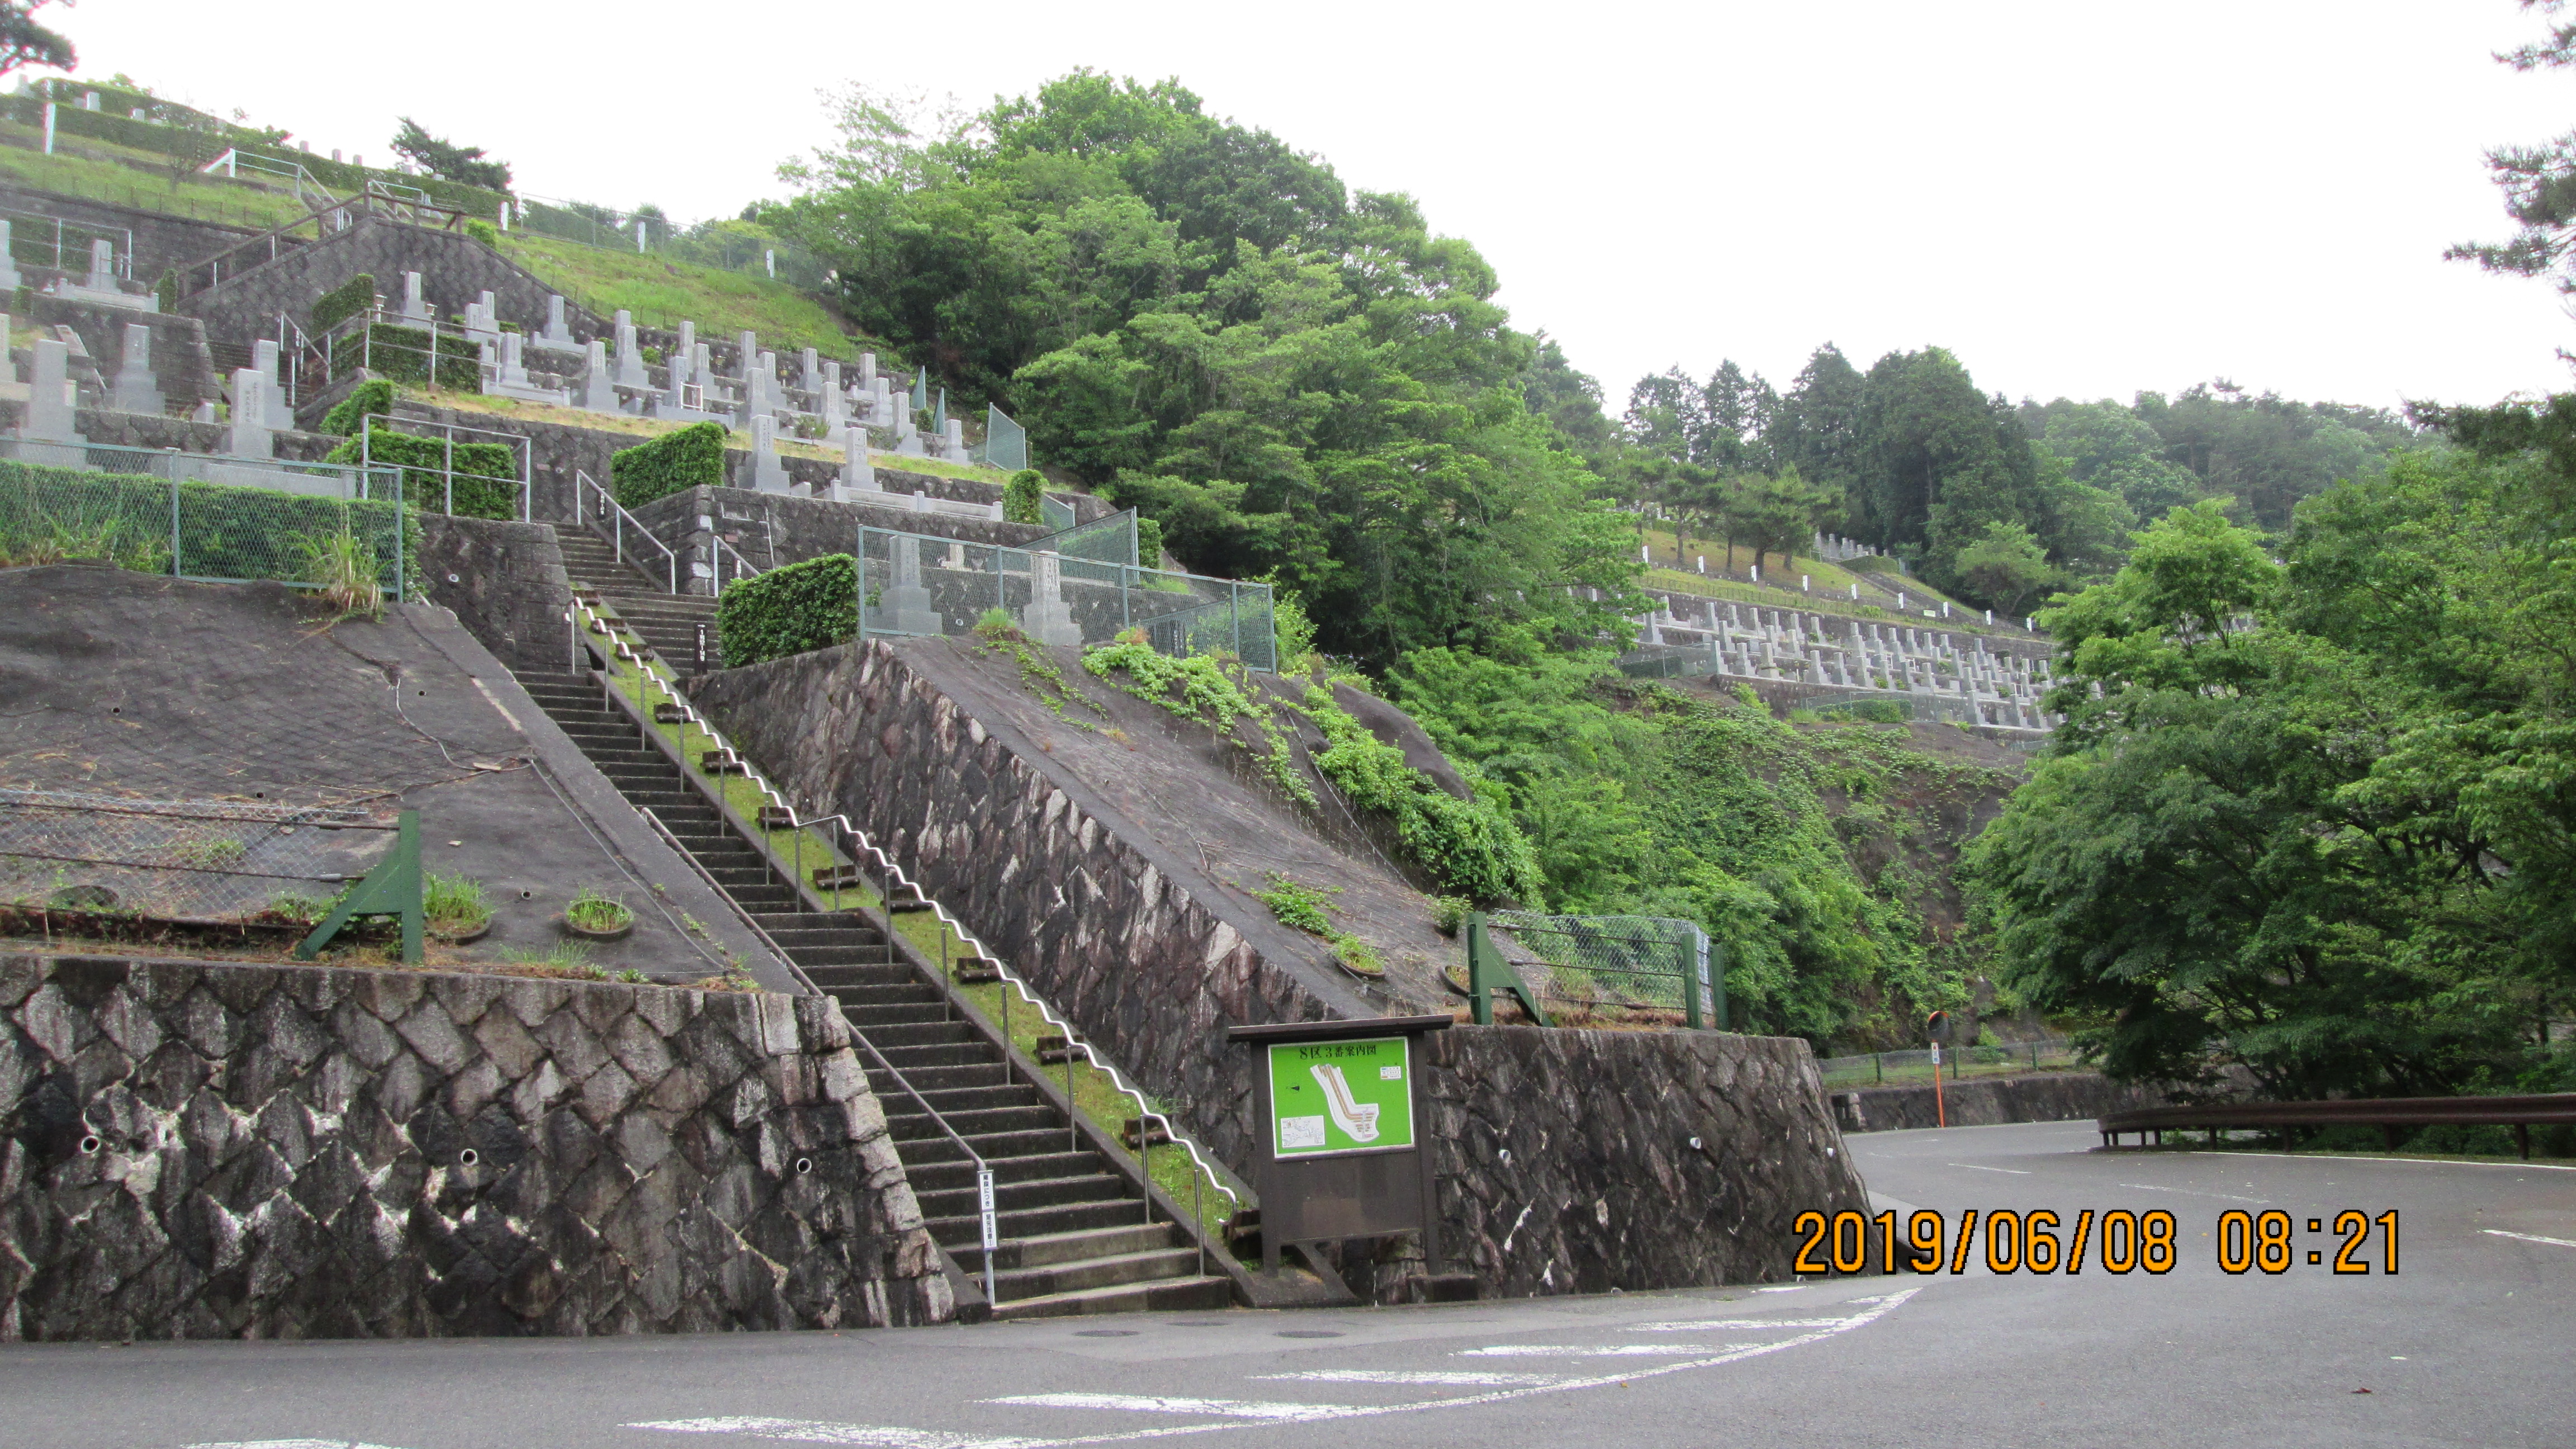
(1631, 970)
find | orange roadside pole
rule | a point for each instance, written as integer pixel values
(1937, 1027)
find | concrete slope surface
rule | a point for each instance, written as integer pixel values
(129, 685)
(2464, 1346)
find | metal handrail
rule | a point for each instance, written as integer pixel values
(615, 534)
(895, 872)
(983, 1170)
(742, 566)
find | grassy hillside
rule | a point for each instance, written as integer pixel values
(666, 293)
(119, 183)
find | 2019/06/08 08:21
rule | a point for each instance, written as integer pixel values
(2118, 1241)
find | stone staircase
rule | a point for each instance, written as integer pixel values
(667, 621)
(1074, 1235)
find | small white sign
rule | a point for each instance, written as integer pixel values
(1301, 1131)
(1390, 1074)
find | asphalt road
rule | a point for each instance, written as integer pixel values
(2467, 1344)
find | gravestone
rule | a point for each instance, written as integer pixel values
(136, 390)
(907, 438)
(557, 337)
(858, 471)
(1048, 618)
(415, 307)
(52, 416)
(251, 437)
(10, 281)
(630, 357)
(836, 414)
(768, 474)
(281, 415)
(101, 288)
(903, 606)
(102, 266)
(8, 362)
(809, 377)
(748, 343)
(511, 378)
(598, 389)
(482, 324)
(952, 443)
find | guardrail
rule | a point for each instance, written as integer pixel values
(2386, 1113)
(617, 521)
(895, 885)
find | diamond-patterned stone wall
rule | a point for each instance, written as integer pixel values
(202, 1149)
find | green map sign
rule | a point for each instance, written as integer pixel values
(1332, 1097)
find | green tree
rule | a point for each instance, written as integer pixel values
(24, 43)
(2007, 567)
(464, 165)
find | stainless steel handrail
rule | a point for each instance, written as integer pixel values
(615, 534)
(989, 1235)
(742, 566)
(892, 872)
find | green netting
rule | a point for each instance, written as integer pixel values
(192, 516)
(915, 585)
(1609, 963)
(1005, 446)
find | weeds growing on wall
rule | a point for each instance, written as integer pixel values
(1303, 907)
(342, 568)
(1200, 688)
(1023, 497)
(1471, 845)
(999, 633)
(789, 610)
(372, 398)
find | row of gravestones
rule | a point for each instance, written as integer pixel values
(1999, 688)
(49, 429)
(102, 286)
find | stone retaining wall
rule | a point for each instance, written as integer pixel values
(1635, 1159)
(505, 583)
(2048, 1097)
(202, 1150)
(1153, 958)
(161, 241)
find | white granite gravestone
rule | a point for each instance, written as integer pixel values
(251, 437)
(265, 356)
(630, 357)
(512, 380)
(557, 337)
(482, 324)
(858, 471)
(136, 389)
(904, 605)
(1048, 618)
(809, 377)
(598, 389)
(52, 414)
(749, 344)
(952, 443)
(10, 281)
(102, 288)
(768, 474)
(415, 307)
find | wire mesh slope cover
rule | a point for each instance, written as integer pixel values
(1632, 965)
(210, 861)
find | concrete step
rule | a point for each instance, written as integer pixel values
(960, 1173)
(1044, 1250)
(1061, 1218)
(928, 1151)
(1031, 1195)
(1162, 1265)
(1171, 1295)
(904, 1120)
(930, 1081)
(871, 979)
(930, 1043)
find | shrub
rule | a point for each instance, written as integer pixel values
(487, 476)
(1470, 845)
(1023, 498)
(372, 398)
(342, 567)
(693, 457)
(167, 291)
(1149, 542)
(482, 231)
(403, 354)
(356, 295)
(790, 610)
(224, 532)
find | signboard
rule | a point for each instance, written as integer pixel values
(1336, 1098)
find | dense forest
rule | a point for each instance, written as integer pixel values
(2311, 810)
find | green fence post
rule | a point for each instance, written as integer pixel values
(1694, 976)
(175, 571)
(1717, 983)
(391, 889)
(1480, 999)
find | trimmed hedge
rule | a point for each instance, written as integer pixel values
(693, 457)
(372, 398)
(425, 486)
(402, 353)
(1024, 497)
(347, 300)
(790, 610)
(224, 531)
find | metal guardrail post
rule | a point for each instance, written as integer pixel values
(391, 889)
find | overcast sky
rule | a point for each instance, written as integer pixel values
(2079, 199)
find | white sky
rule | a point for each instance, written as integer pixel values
(2079, 199)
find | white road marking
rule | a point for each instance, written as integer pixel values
(1879, 1308)
(2529, 1238)
(1600, 1350)
(1160, 1404)
(1703, 1325)
(1784, 1288)
(289, 1444)
(1972, 1167)
(813, 1431)
(2193, 1192)
(2412, 1161)
(1456, 1377)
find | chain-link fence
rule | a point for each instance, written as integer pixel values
(214, 862)
(1005, 445)
(38, 240)
(914, 584)
(1914, 1068)
(1640, 967)
(206, 517)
